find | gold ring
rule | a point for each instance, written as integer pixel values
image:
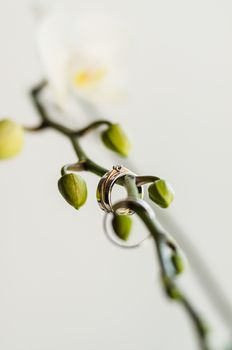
(105, 187)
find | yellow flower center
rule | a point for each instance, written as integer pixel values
(85, 78)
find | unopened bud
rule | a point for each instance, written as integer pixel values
(122, 226)
(161, 193)
(171, 289)
(74, 190)
(116, 140)
(11, 138)
(178, 263)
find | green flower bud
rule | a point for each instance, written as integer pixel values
(73, 189)
(173, 293)
(122, 226)
(161, 193)
(116, 140)
(178, 263)
(11, 138)
(171, 289)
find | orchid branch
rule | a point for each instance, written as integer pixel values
(170, 264)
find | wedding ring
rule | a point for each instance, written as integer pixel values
(130, 204)
(105, 187)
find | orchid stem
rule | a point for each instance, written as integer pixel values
(91, 127)
(161, 240)
(168, 278)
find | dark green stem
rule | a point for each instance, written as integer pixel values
(39, 127)
(91, 127)
(95, 168)
(78, 149)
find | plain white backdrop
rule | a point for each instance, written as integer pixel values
(62, 284)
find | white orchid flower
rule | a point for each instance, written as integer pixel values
(83, 56)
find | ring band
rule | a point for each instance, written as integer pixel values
(128, 203)
(105, 187)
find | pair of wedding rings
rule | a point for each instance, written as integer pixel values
(126, 206)
(105, 188)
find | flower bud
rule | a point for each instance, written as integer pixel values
(116, 140)
(11, 138)
(171, 289)
(73, 189)
(122, 226)
(178, 263)
(161, 193)
(173, 292)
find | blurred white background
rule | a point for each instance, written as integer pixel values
(63, 285)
